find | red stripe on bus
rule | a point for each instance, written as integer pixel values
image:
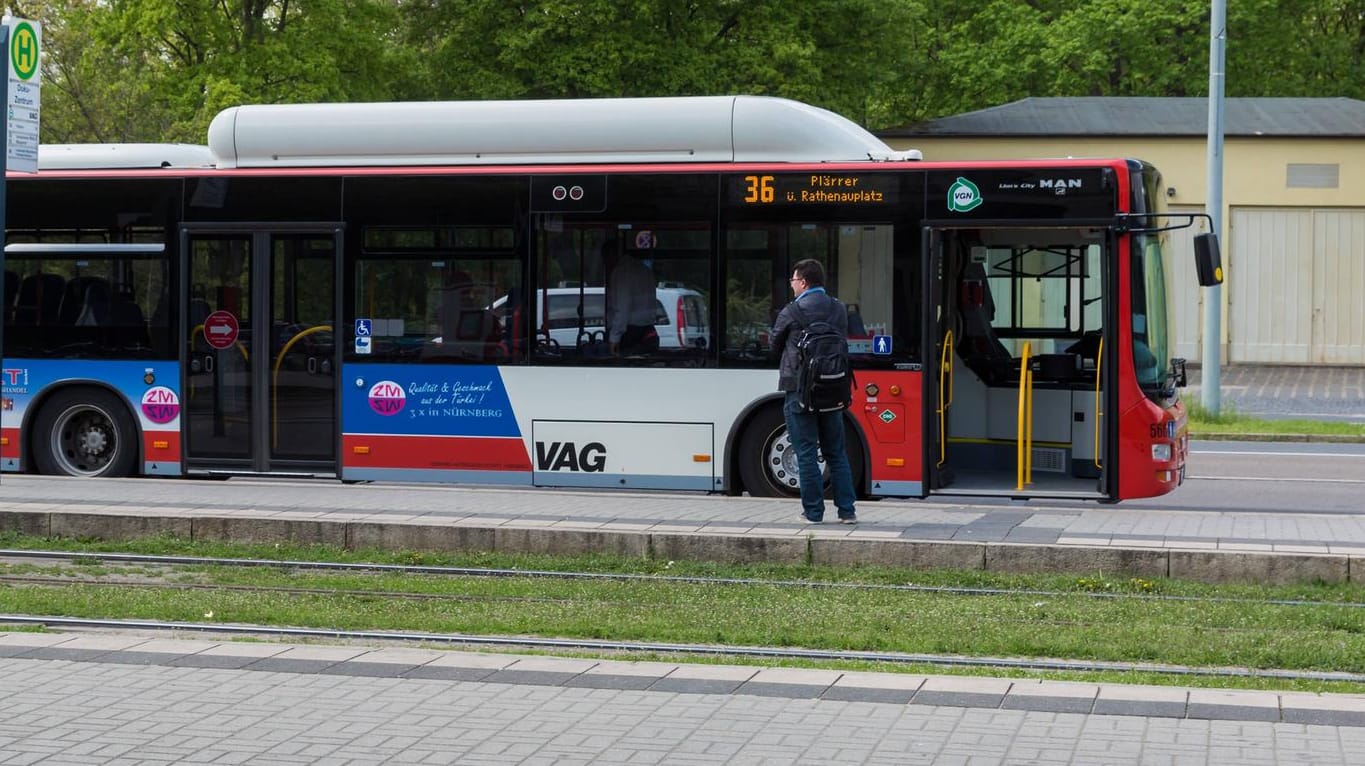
(10, 447)
(463, 453)
(161, 445)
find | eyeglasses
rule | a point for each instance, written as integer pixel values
(796, 279)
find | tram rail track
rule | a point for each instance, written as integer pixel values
(142, 572)
(493, 572)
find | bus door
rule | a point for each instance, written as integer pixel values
(1018, 400)
(260, 351)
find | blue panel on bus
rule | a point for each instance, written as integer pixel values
(151, 388)
(426, 400)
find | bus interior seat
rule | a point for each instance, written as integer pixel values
(1088, 347)
(39, 299)
(94, 311)
(981, 348)
(127, 316)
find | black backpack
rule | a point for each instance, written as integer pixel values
(825, 380)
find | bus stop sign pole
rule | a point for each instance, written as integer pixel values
(20, 48)
(4, 205)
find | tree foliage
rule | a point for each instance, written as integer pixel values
(159, 70)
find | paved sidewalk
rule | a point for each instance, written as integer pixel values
(1200, 545)
(1315, 393)
(128, 699)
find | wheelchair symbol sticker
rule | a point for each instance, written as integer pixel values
(362, 328)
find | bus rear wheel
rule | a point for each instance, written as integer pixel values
(767, 462)
(85, 432)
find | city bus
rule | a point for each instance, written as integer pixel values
(420, 292)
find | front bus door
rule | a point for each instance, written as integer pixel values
(261, 361)
(1000, 295)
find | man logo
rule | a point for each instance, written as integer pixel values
(562, 456)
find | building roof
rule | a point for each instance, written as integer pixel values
(1142, 116)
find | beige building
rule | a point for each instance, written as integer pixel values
(1293, 235)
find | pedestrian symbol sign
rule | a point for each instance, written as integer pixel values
(881, 344)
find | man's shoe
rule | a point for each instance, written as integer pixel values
(809, 519)
(852, 518)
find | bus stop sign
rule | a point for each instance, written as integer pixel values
(220, 329)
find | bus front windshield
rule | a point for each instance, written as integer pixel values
(1150, 324)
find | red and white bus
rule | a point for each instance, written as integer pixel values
(345, 290)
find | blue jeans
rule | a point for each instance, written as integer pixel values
(822, 431)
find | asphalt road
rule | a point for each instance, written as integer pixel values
(1269, 477)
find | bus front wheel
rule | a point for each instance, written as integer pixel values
(85, 432)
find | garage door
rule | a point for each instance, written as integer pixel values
(1296, 278)
(1186, 296)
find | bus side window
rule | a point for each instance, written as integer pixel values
(11, 292)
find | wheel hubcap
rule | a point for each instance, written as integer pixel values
(781, 462)
(83, 441)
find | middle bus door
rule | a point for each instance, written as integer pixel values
(1018, 401)
(261, 362)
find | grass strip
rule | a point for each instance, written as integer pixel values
(1324, 633)
(1230, 422)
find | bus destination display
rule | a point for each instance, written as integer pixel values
(857, 189)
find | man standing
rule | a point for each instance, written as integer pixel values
(812, 431)
(631, 305)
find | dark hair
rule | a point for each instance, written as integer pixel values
(811, 272)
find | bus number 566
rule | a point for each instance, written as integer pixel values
(758, 189)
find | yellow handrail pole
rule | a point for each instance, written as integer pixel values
(945, 371)
(1019, 421)
(1028, 429)
(275, 381)
(1099, 364)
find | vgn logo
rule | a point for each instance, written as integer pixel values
(963, 196)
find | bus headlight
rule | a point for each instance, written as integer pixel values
(1161, 453)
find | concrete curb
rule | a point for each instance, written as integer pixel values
(1209, 566)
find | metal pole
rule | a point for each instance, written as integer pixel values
(4, 154)
(1209, 386)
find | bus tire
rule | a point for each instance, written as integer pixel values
(767, 464)
(85, 432)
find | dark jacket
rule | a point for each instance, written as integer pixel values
(816, 306)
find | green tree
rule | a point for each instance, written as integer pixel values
(158, 70)
(832, 53)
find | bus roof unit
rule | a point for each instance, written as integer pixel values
(625, 130)
(102, 156)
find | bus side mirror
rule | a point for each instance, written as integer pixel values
(1179, 377)
(1208, 261)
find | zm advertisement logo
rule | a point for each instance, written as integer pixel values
(963, 196)
(23, 50)
(387, 398)
(160, 405)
